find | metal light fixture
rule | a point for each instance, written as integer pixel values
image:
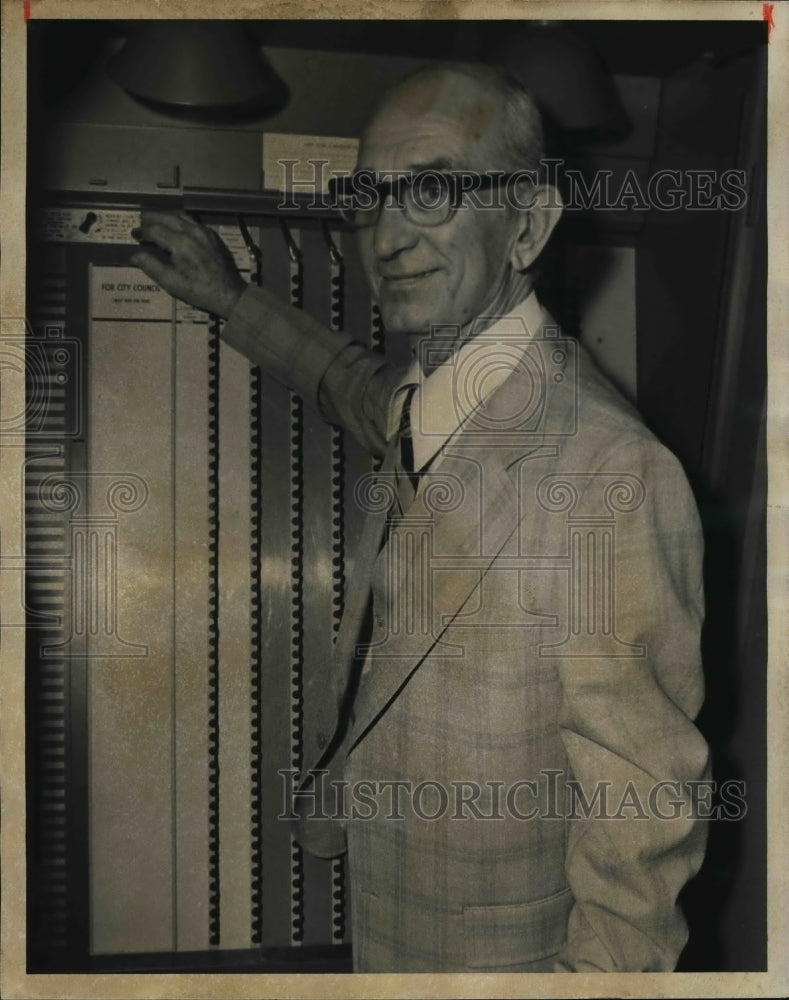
(565, 77)
(203, 69)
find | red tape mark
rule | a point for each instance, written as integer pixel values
(767, 15)
(27, 9)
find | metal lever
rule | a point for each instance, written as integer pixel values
(293, 249)
(254, 250)
(334, 250)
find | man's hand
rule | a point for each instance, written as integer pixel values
(189, 261)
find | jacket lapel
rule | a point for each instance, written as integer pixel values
(453, 540)
(358, 594)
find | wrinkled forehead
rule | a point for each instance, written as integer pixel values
(440, 117)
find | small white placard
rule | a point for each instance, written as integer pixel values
(89, 225)
(127, 293)
(281, 173)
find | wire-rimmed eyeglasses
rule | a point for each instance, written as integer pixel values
(428, 197)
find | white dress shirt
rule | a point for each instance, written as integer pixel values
(445, 399)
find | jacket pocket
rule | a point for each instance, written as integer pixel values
(516, 933)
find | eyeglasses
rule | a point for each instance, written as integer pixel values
(428, 197)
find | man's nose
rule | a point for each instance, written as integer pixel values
(393, 231)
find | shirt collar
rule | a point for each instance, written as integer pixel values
(445, 399)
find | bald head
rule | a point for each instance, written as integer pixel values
(497, 120)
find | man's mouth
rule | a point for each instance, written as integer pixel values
(398, 279)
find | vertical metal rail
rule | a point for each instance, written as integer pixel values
(337, 308)
(213, 634)
(297, 591)
(47, 598)
(377, 344)
(255, 652)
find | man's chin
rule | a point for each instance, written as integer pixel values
(401, 328)
(412, 323)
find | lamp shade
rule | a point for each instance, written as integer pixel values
(564, 75)
(195, 65)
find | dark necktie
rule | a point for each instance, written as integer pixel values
(406, 441)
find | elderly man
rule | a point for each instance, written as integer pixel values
(511, 768)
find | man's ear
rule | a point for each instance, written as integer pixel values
(535, 224)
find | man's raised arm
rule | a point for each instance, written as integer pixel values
(347, 383)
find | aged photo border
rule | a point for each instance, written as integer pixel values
(14, 981)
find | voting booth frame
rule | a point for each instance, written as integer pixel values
(189, 536)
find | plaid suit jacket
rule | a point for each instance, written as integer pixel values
(517, 751)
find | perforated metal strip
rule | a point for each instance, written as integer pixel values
(337, 304)
(296, 428)
(256, 742)
(376, 330)
(377, 344)
(47, 595)
(255, 652)
(213, 635)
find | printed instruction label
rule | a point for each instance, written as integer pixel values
(281, 173)
(89, 225)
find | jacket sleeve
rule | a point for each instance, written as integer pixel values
(627, 727)
(346, 382)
